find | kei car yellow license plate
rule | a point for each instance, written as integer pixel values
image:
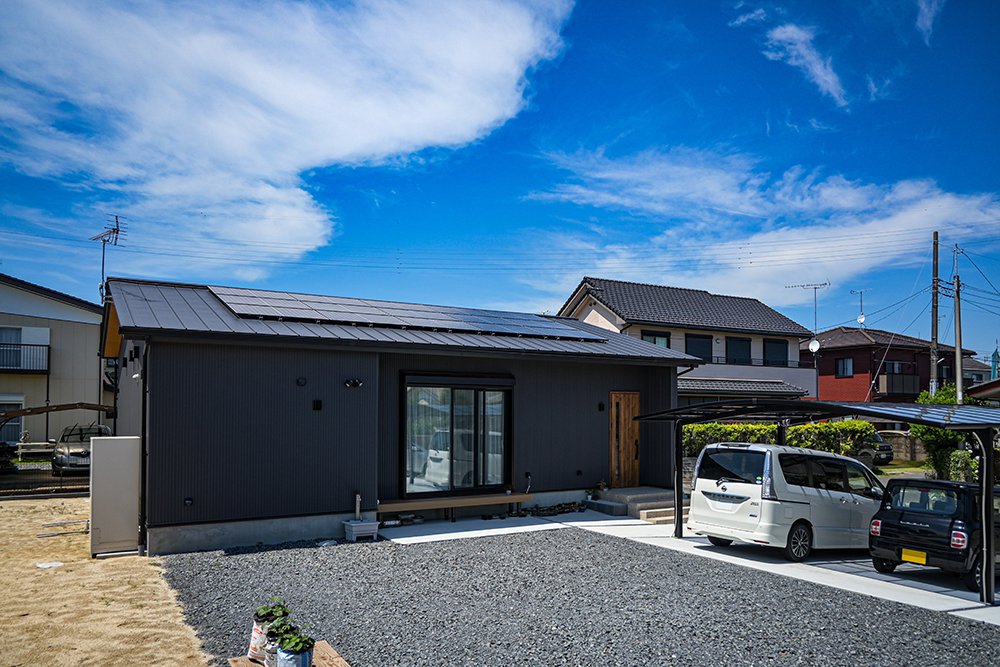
(911, 556)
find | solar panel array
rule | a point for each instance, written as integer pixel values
(259, 304)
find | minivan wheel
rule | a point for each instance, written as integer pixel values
(974, 577)
(799, 543)
(719, 542)
(883, 565)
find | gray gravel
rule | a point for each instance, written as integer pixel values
(558, 597)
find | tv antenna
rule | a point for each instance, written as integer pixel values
(113, 231)
(861, 295)
(815, 287)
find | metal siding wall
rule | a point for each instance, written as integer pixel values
(231, 430)
(129, 398)
(657, 437)
(557, 427)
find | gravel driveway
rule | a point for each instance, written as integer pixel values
(558, 597)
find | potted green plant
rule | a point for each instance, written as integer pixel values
(592, 494)
(263, 618)
(508, 488)
(295, 647)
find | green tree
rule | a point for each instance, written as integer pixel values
(939, 443)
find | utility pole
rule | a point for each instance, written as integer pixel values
(934, 322)
(958, 334)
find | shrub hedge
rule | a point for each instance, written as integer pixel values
(838, 437)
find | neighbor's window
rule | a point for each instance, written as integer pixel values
(10, 347)
(845, 367)
(456, 438)
(698, 345)
(661, 338)
(738, 351)
(775, 352)
(11, 431)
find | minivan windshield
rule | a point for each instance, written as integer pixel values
(732, 465)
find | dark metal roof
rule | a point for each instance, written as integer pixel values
(730, 387)
(640, 303)
(151, 307)
(952, 417)
(49, 293)
(841, 337)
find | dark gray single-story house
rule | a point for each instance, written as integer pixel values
(264, 414)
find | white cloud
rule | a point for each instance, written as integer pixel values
(927, 12)
(205, 114)
(794, 44)
(755, 16)
(713, 220)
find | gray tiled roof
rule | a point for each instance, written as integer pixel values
(841, 337)
(150, 307)
(688, 308)
(727, 387)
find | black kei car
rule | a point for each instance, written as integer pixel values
(933, 523)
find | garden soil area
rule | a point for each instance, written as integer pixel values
(114, 611)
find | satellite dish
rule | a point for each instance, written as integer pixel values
(813, 345)
(861, 318)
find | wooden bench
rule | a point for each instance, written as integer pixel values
(324, 655)
(450, 503)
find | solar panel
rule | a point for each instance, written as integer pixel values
(342, 310)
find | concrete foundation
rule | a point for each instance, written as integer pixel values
(207, 537)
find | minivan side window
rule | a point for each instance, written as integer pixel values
(795, 468)
(827, 474)
(733, 464)
(859, 481)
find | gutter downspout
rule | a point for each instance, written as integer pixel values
(143, 434)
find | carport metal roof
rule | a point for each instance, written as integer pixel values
(978, 419)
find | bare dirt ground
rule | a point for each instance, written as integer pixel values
(114, 611)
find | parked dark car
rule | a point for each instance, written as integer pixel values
(72, 451)
(932, 523)
(874, 451)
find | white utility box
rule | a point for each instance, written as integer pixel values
(115, 465)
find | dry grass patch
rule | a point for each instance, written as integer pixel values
(87, 611)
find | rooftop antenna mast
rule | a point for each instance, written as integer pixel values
(815, 287)
(861, 295)
(113, 230)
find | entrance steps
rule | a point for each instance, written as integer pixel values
(648, 503)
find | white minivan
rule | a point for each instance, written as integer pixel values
(787, 497)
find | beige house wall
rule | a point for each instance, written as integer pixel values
(75, 372)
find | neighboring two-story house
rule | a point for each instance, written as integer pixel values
(873, 365)
(750, 350)
(49, 354)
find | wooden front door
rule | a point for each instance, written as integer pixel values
(624, 439)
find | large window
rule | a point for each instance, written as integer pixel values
(775, 352)
(661, 338)
(738, 351)
(10, 347)
(456, 437)
(698, 345)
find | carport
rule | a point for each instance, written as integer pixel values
(980, 421)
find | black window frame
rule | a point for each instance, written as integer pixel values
(734, 356)
(700, 339)
(770, 345)
(503, 384)
(646, 334)
(840, 365)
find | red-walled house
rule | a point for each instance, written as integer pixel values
(858, 364)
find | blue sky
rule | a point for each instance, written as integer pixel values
(492, 153)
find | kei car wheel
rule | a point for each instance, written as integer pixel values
(973, 578)
(799, 543)
(883, 565)
(719, 542)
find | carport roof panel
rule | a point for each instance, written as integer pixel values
(952, 417)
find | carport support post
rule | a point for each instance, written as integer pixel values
(678, 479)
(986, 483)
